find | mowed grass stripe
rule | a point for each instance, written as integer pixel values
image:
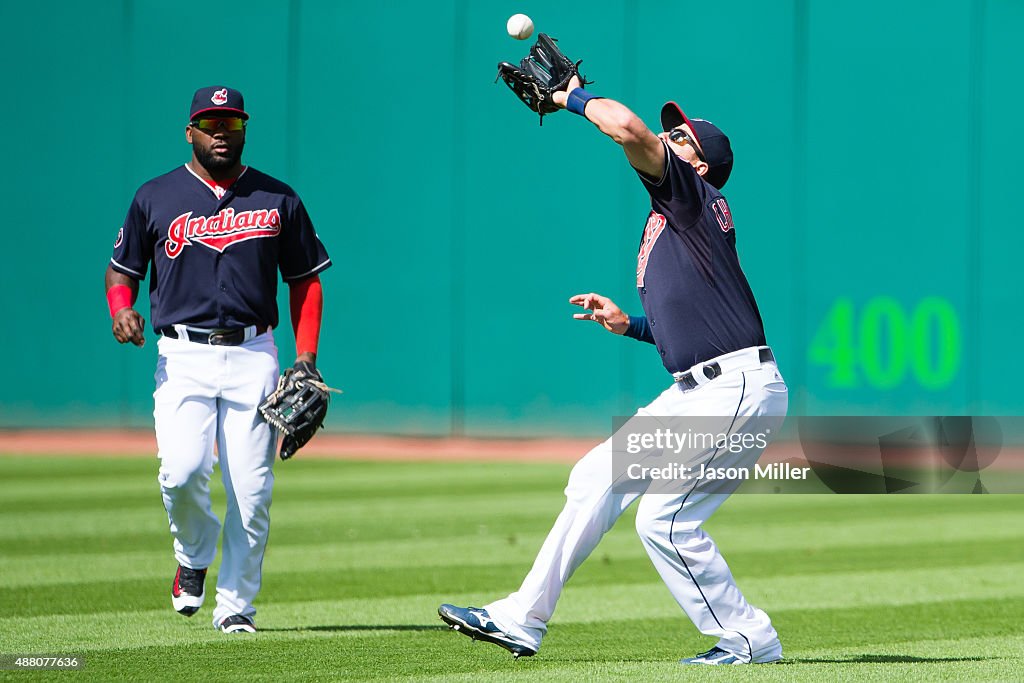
(151, 532)
(413, 555)
(890, 648)
(386, 512)
(649, 650)
(359, 476)
(70, 546)
(26, 495)
(50, 516)
(104, 479)
(15, 468)
(33, 479)
(299, 522)
(340, 480)
(344, 517)
(402, 486)
(583, 604)
(485, 547)
(93, 493)
(759, 531)
(285, 584)
(624, 605)
(365, 476)
(574, 654)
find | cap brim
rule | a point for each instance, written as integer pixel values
(672, 116)
(221, 109)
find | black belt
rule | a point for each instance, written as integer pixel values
(713, 370)
(217, 337)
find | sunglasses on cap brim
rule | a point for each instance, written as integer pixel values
(681, 137)
(214, 123)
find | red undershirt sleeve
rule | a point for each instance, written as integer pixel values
(307, 308)
(120, 296)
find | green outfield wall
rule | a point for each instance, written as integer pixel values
(876, 195)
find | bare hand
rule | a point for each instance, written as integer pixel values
(561, 96)
(604, 312)
(129, 327)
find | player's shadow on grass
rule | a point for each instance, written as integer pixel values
(360, 627)
(882, 659)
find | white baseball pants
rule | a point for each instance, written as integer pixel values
(208, 396)
(669, 524)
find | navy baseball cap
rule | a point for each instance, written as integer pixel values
(219, 99)
(713, 142)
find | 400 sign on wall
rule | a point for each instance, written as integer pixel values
(884, 344)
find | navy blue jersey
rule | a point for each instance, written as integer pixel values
(696, 298)
(215, 259)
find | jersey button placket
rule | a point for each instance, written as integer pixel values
(222, 288)
(223, 352)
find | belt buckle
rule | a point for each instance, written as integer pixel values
(702, 373)
(217, 338)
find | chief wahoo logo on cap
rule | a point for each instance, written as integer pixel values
(220, 97)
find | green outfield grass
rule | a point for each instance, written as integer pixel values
(861, 588)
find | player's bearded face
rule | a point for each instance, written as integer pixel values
(218, 151)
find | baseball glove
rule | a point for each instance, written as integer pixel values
(298, 406)
(542, 72)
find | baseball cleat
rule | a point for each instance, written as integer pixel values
(236, 623)
(478, 625)
(713, 657)
(716, 656)
(187, 590)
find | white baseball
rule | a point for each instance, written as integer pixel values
(519, 26)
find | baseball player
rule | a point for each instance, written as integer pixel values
(702, 319)
(214, 232)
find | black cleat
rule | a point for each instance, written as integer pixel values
(236, 623)
(187, 590)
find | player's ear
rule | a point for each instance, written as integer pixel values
(698, 166)
(188, 134)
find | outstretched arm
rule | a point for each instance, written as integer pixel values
(128, 325)
(644, 149)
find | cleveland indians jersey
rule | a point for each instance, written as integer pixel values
(696, 298)
(215, 254)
